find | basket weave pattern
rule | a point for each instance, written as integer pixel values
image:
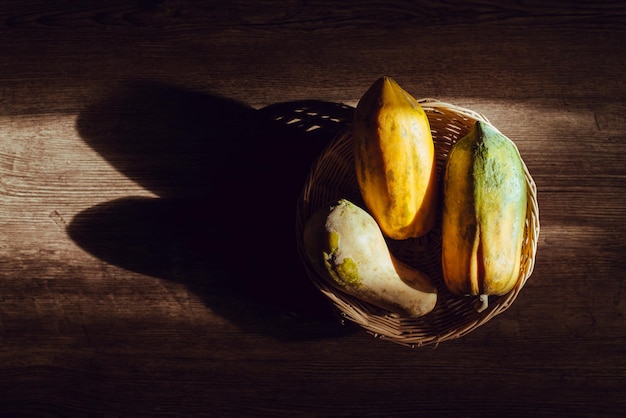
(332, 177)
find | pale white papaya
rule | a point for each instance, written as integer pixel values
(346, 247)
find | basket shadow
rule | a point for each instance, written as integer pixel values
(226, 177)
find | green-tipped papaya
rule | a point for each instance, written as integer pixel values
(484, 213)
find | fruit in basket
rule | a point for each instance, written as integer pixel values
(484, 213)
(395, 160)
(345, 245)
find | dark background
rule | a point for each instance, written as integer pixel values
(151, 153)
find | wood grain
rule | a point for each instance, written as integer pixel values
(151, 153)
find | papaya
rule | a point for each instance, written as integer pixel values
(484, 213)
(346, 247)
(395, 160)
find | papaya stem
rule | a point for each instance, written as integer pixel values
(482, 303)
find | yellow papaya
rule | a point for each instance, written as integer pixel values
(395, 160)
(484, 213)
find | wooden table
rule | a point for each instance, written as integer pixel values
(147, 259)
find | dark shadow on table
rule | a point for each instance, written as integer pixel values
(226, 177)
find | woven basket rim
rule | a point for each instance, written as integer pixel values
(394, 327)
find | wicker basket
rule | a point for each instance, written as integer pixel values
(332, 177)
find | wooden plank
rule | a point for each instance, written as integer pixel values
(147, 262)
